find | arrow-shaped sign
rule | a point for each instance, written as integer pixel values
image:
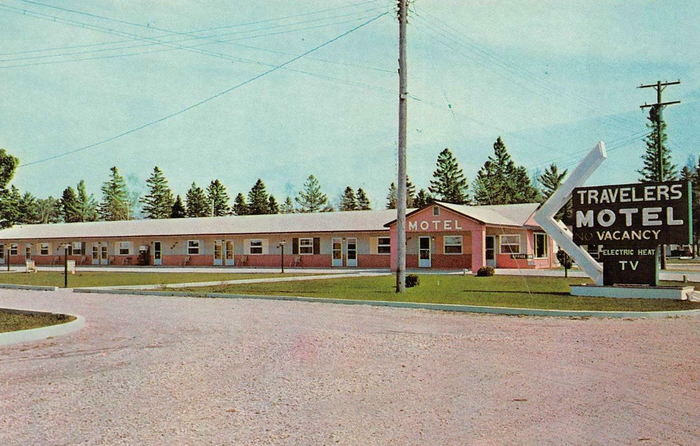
(557, 230)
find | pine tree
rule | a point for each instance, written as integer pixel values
(288, 206)
(158, 201)
(240, 207)
(650, 169)
(218, 198)
(70, 206)
(550, 181)
(391, 197)
(258, 200)
(196, 202)
(393, 193)
(501, 181)
(178, 210)
(311, 199)
(423, 198)
(348, 201)
(449, 183)
(272, 206)
(8, 200)
(48, 210)
(363, 203)
(87, 207)
(28, 210)
(115, 198)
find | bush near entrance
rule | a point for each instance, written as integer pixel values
(486, 271)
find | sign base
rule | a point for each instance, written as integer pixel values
(633, 291)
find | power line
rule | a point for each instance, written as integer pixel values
(210, 98)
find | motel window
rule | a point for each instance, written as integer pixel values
(193, 247)
(541, 246)
(77, 248)
(384, 245)
(124, 248)
(453, 244)
(44, 249)
(256, 246)
(2, 251)
(13, 249)
(306, 246)
(510, 244)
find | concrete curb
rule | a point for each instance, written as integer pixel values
(41, 333)
(414, 305)
(13, 286)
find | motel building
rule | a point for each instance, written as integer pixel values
(440, 236)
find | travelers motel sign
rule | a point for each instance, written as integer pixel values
(633, 215)
(630, 221)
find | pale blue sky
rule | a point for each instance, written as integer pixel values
(551, 77)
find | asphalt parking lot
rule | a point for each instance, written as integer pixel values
(164, 370)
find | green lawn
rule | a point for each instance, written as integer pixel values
(89, 278)
(10, 321)
(500, 291)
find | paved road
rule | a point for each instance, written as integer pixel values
(162, 370)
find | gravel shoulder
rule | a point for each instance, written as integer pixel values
(164, 370)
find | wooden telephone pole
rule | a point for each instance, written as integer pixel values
(659, 107)
(401, 192)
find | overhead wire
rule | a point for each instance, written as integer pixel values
(208, 99)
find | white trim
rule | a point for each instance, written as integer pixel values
(461, 245)
(194, 247)
(124, 245)
(261, 246)
(310, 245)
(500, 243)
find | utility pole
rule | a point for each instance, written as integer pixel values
(401, 192)
(659, 107)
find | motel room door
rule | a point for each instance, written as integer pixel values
(424, 252)
(491, 250)
(228, 252)
(157, 253)
(337, 258)
(104, 255)
(218, 252)
(2, 254)
(95, 253)
(351, 251)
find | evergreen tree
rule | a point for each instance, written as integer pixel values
(27, 209)
(158, 201)
(288, 206)
(218, 198)
(272, 206)
(258, 200)
(9, 201)
(87, 207)
(650, 168)
(178, 210)
(448, 183)
(311, 199)
(348, 201)
(197, 203)
(48, 210)
(501, 181)
(391, 197)
(423, 198)
(70, 206)
(363, 203)
(240, 207)
(393, 193)
(550, 181)
(115, 198)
